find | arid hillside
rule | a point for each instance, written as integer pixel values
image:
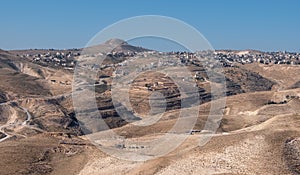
(257, 131)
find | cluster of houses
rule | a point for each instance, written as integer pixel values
(204, 58)
(229, 58)
(65, 58)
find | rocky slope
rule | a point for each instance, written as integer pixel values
(40, 132)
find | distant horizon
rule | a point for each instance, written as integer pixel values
(154, 45)
(152, 49)
(225, 49)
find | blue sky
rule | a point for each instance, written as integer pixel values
(227, 24)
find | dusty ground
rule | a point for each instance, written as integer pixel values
(258, 134)
(41, 154)
(255, 142)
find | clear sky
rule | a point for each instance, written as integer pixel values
(227, 24)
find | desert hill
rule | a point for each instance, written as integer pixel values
(115, 45)
(41, 134)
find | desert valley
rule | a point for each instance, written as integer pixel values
(258, 132)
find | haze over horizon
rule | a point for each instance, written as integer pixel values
(266, 26)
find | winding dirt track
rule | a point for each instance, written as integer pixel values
(13, 122)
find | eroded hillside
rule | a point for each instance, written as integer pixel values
(41, 134)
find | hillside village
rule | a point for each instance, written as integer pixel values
(38, 112)
(68, 58)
